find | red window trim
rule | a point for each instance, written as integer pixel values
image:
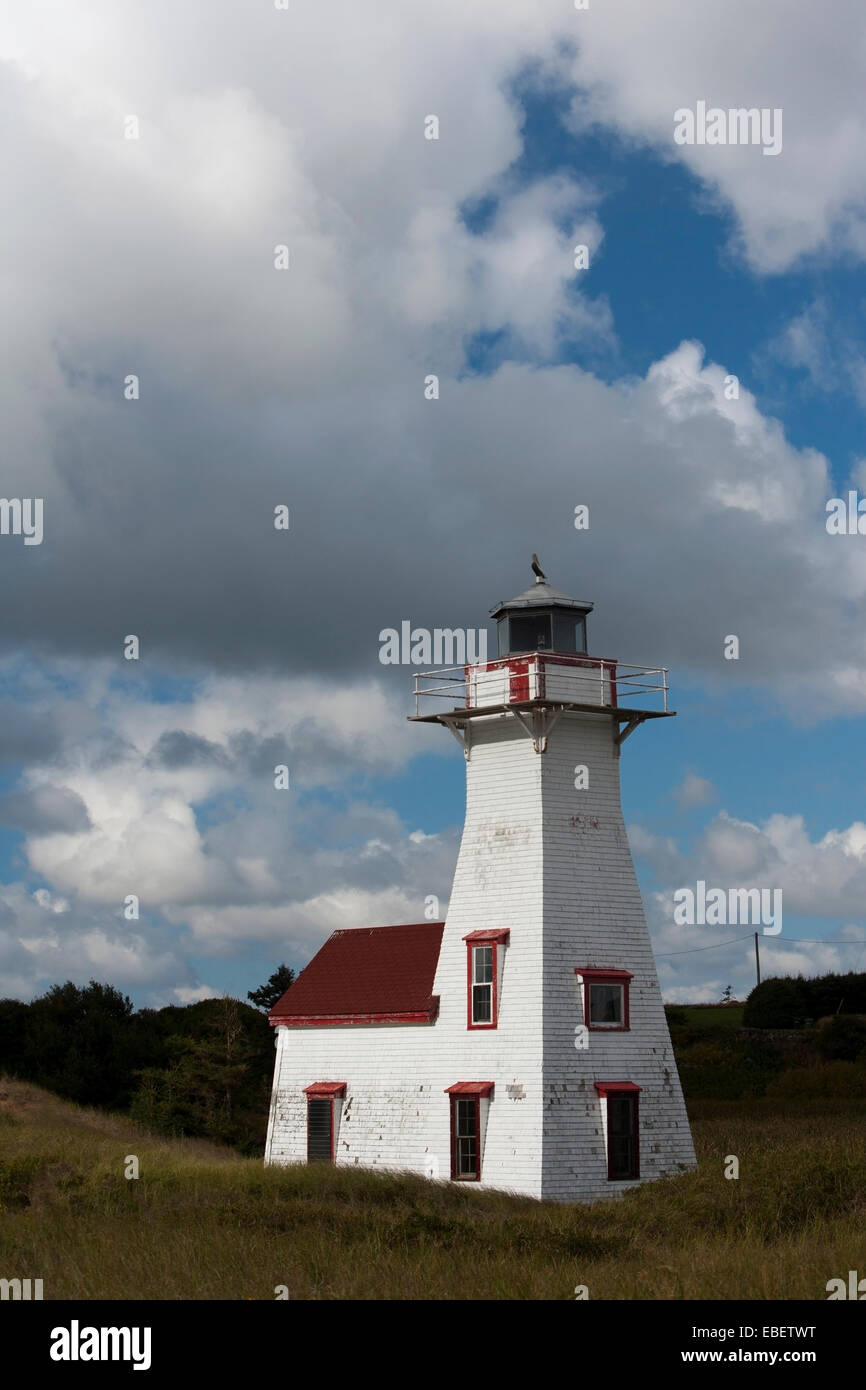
(463, 1090)
(463, 1177)
(358, 1020)
(622, 1088)
(592, 976)
(494, 938)
(326, 1088)
(591, 970)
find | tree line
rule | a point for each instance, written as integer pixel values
(201, 1070)
(205, 1070)
(795, 1002)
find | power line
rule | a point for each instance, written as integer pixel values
(819, 941)
(690, 950)
(794, 940)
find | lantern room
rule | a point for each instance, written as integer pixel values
(542, 670)
(541, 619)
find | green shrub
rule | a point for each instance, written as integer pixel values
(843, 1039)
(831, 993)
(722, 1066)
(787, 1003)
(777, 1003)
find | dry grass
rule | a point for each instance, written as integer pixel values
(202, 1223)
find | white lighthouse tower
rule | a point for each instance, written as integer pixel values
(524, 1046)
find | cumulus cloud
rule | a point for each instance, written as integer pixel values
(45, 939)
(141, 834)
(822, 881)
(218, 858)
(694, 791)
(823, 878)
(638, 64)
(695, 963)
(195, 996)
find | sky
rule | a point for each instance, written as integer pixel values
(699, 383)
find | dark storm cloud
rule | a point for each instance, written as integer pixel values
(36, 730)
(177, 748)
(430, 515)
(27, 737)
(253, 756)
(45, 811)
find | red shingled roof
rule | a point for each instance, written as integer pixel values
(369, 975)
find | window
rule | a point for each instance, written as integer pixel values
(319, 1125)
(469, 1100)
(530, 633)
(483, 969)
(623, 1152)
(622, 1136)
(605, 1004)
(482, 983)
(467, 1138)
(320, 1119)
(605, 998)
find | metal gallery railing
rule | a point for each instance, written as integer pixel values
(543, 675)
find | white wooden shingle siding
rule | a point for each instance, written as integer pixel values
(552, 865)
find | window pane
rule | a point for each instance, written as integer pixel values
(621, 1115)
(465, 1137)
(620, 1111)
(482, 1003)
(622, 1157)
(466, 1117)
(318, 1130)
(605, 1003)
(530, 633)
(482, 959)
(466, 1157)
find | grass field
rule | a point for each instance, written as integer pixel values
(202, 1223)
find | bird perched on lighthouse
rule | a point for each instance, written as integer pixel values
(540, 576)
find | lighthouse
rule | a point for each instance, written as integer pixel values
(522, 1044)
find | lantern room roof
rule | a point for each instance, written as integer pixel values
(541, 595)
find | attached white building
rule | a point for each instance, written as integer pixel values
(522, 1044)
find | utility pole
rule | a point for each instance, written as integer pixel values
(757, 958)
